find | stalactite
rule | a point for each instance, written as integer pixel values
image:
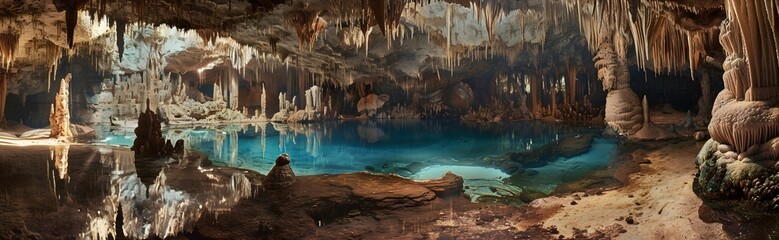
(307, 24)
(492, 11)
(120, 29)
(379, 9)
(657, 39)
(71, 8)
(208, 35)
(8, 44)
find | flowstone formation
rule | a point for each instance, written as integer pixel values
(740, 160)
(60, 112)
(148, 137)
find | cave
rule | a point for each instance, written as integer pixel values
(396, 119)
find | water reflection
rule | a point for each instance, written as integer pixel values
(59, 154)
(69, 191)
(533, 155)
(351, 146)
(181, 193)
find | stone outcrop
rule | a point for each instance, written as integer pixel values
(59, 118)
(281, 175)
(148, 137)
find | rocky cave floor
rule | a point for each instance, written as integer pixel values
(657, 202)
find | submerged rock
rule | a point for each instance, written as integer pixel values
(281, 175)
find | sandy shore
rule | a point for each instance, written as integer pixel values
(659, 199)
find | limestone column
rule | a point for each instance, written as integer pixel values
(623, 109)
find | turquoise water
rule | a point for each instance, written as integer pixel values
(411, 148)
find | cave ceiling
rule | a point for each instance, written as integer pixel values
(347, 41)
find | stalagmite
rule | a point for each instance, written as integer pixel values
(648, 130)
(309, 104)
(59, 119)
(282, 99)
(281, 177)
(263, 101)
(316, 95)
(739, 161)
